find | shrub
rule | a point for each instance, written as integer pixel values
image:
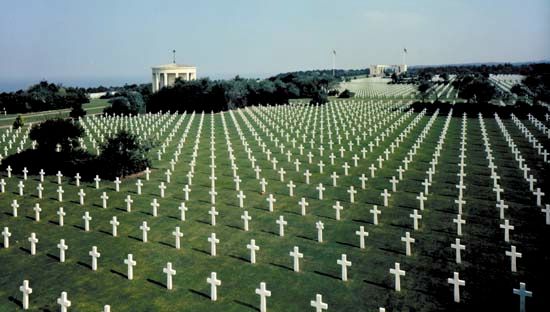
(52, 132)
(18, 122)
(122, 155)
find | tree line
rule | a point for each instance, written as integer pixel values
(42, 96)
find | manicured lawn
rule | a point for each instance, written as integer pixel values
(485, 268)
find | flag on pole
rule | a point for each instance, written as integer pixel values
(405, 50)
(334, 52)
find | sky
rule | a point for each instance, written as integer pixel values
(79, 42)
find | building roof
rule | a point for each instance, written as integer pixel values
(172, 65)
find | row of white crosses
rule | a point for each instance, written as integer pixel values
(522, 163)
(513, 254)
(535, 144)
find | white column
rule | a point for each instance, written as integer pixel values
(177, 75)
(154, 83)
(165, 79)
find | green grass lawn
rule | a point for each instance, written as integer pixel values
(485, 268)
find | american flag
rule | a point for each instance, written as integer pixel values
(334, 52)
(405, 50)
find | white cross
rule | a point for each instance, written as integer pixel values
(346, 168)
(460, 202)
(547, 212)
(14, 205)
(241, 197)
(318, 303)
(320, 227)
(104, 198)
(81, 196)
(270, 199)
(97, 180)
(334, 177)
(130, 262)
(94, 254)
(155, 206)
(421, 198)
(213, 241)
(375, 212)
(77, 177)
(128, 202)
(40, 188)
(320, 188)
(522, 293)
(362, 234)
(182, 208)
(169, 273)
(33, 240)
(253, 248)
(114, 222)
(117, 184)
(338, 208)
(37, 211)
(213, 213)
(59, 175)
(291, 187)
(178, 235)
(513, 255)
(263, 293)
(62, 248)
(296, 255)
(63, 302)
(307, 174)
(407, 239)
(144, 229)
(352, 193)
(458, 220)
(263, 183)
(186, 190)
(21, 186)
(507, 227)
(214, 283)
(394, 182)
(539, 195)
(458, 247)
(139, 184)
(372, 169)
(345, 264)
(162, 187)
(303, 204)
(6, 233)
(60, 193)
(86, 217)
(245, 217)
(398, 273)
(147, 173)
(415, 216)
(281, 222)
(385, 194)
(456, 282)
(61, 214)
(26, 290)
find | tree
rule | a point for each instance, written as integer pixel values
(126, 103)
(423, 89)
(52, 132)
(123, 154)
(77, 111)
(18, 122)
(478, 90)
(346, 94)
(319, 97)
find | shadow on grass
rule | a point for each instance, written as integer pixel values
(25, 250)
(196, 292)
(239, 258)
(120, 274)
(167, 244)
(327, 275)
(84, 265)
(56, 258)
(384, 286)
(248, 305)
(156, 283)
(16, 301)
(200, 250)
(281, 266)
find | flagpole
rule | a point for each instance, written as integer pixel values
(333, 63)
